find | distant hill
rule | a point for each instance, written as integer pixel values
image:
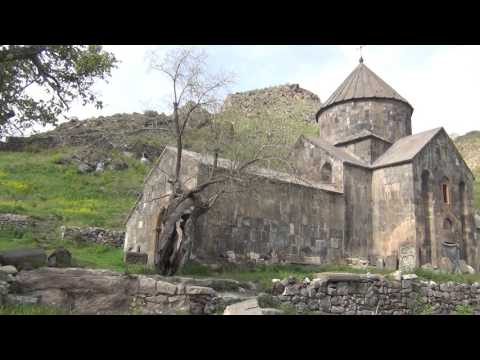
(469, 146)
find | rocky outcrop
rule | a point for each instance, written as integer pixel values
(87, 291)
(93, 235)
(285, 100)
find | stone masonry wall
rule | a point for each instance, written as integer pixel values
(369, 149)
(15, 222)
(440, 162)
(351, 294)
(93, 235)
(141, 227)
(393, 213)
(358, 213)
(293, 222)
(389, 119)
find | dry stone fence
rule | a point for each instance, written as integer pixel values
(92, 235)
(355, 294)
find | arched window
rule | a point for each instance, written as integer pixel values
(447, 224)
(326, 173)
(445, 191)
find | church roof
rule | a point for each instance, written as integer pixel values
(360, 136)
(222, 163)
(339, 153)
(362, 83)
(406, 148)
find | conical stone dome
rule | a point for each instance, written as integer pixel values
(364, 103)
(362, 83)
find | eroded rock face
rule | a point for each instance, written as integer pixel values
(87, 291)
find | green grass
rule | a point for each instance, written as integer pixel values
(32, 184)
(442, 277)
(263, 274)
(91, 256)
(31, 310)
(463, 310)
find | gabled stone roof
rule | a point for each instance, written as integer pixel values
(227, 164)
(406, 148)
(360, 136)
(362, 83)
(337, 152)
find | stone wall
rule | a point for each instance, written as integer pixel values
(368, 149)
(272, 218)
(358, 212)
(30, 143)
(309, 161)
(21, 223)
(393, 213)
(389, 119)
(439, 163)
(93, 235)
(299, 223)
(144, 219)
(353, 294)
(87, 291)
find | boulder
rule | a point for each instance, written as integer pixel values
(278, 288)
(84, 168)
(24, 259)
(409, 276)
(8, 269)
(87, 291)
(465, 268)
(119, 165)
(446, 265)
(100, 167)
(199, 290)
(60, 257)
(247, 307)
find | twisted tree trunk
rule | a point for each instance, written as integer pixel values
(176, 238)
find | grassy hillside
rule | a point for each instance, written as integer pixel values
(33, 184)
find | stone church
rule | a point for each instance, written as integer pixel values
(372, 191)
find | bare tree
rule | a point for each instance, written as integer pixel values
(246, 143)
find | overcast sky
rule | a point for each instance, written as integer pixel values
(440, 82)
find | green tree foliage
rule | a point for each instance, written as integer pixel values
(56, 74)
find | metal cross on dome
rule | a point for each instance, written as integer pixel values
(360, 49)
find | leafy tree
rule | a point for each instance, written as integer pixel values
(59, 73)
